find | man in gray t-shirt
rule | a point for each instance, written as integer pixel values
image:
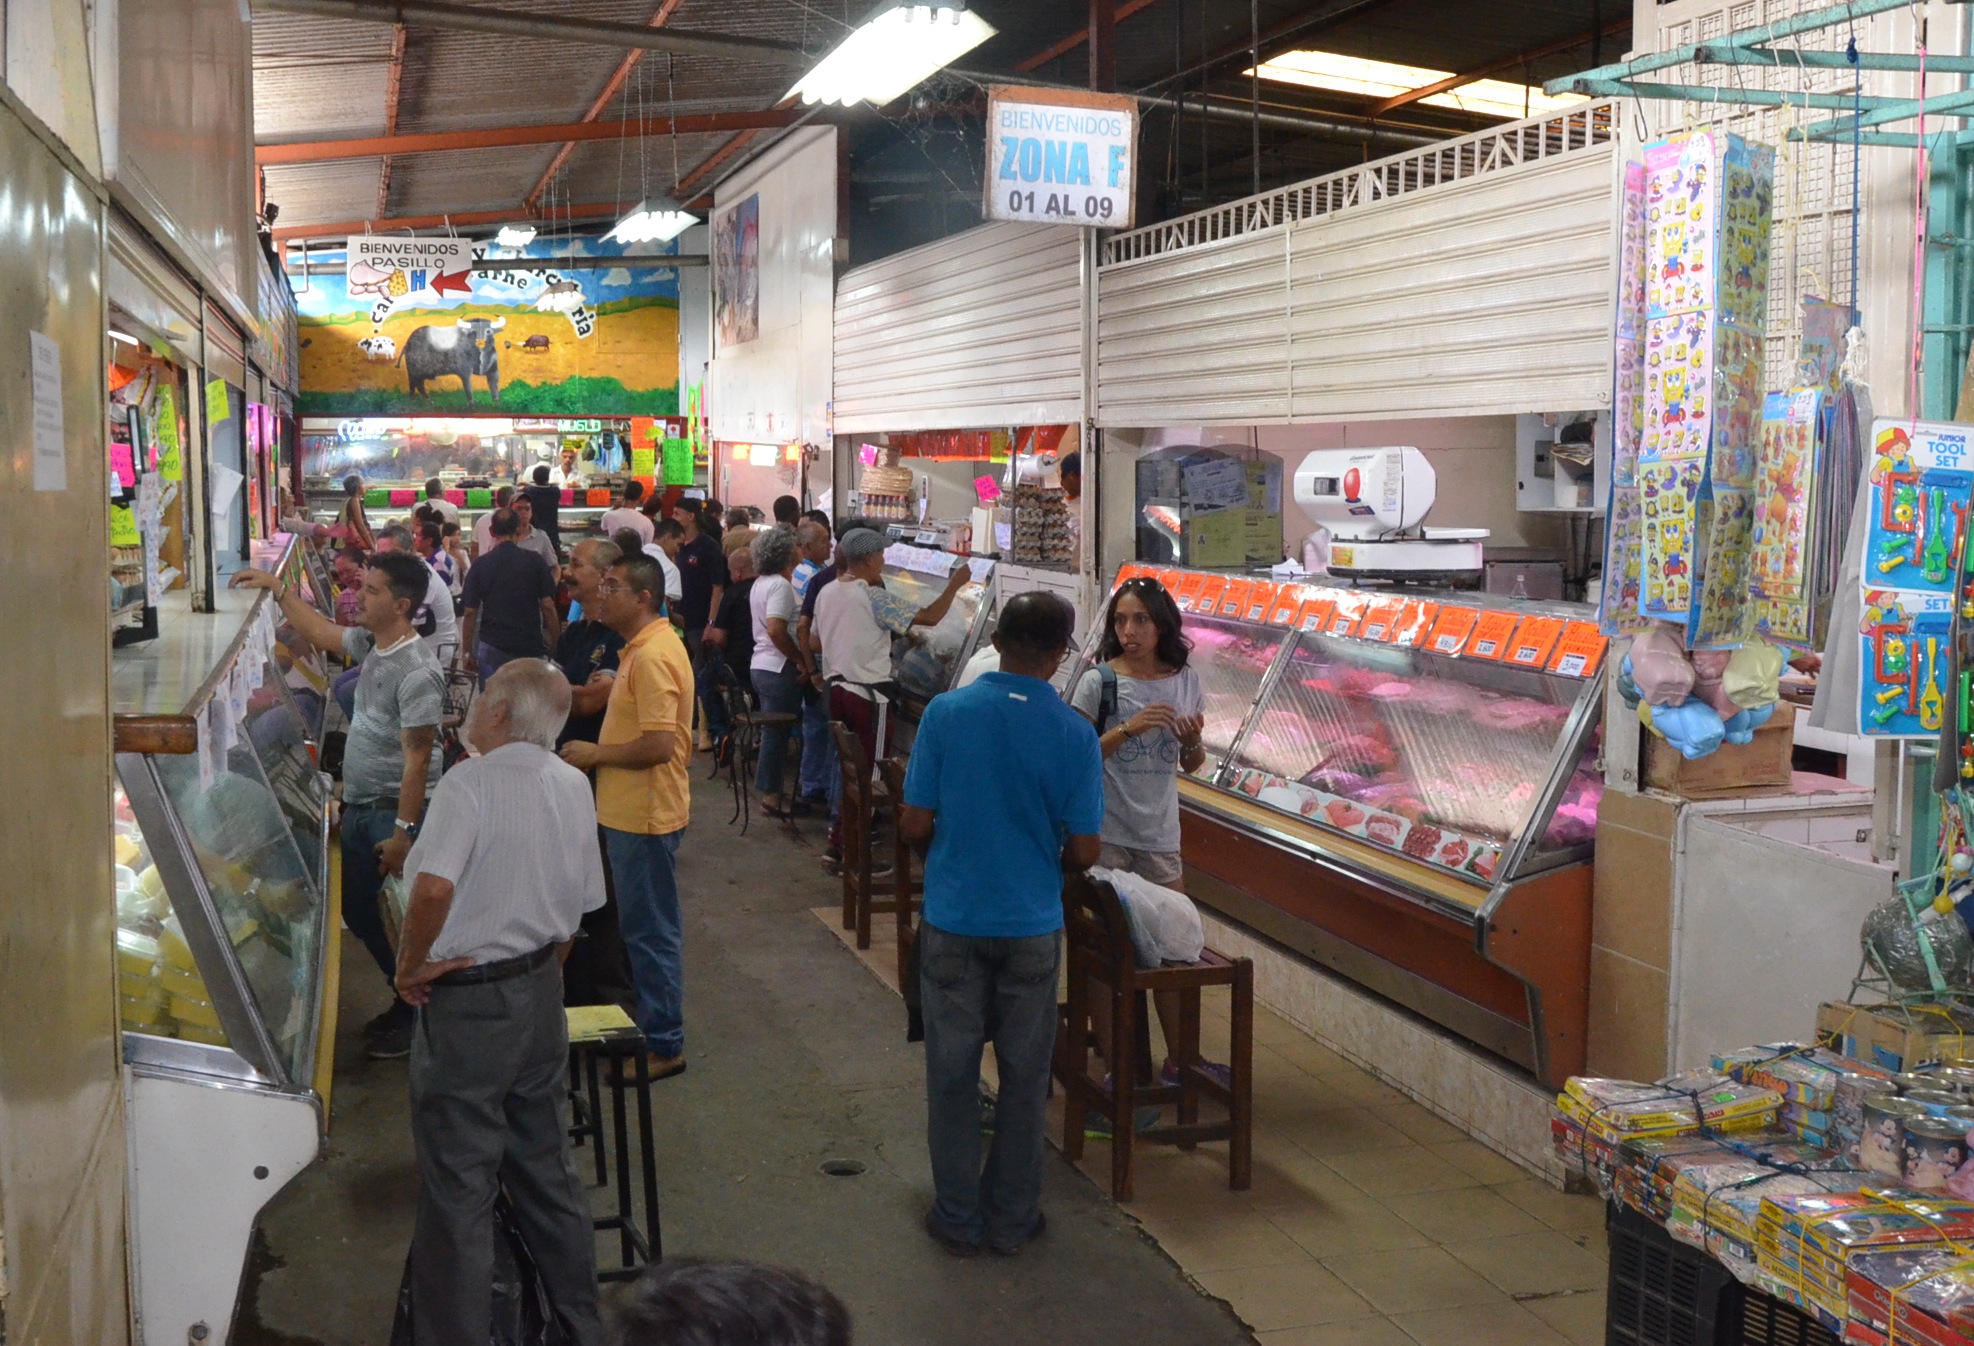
(391, 759)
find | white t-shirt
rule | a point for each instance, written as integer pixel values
(625, 517)
(444, 640)
(483, 533)
(986, 660)
(856, 646)
(448, 512)
(674, 586)
(772, 596)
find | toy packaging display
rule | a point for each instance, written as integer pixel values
(1793, 439)
(1624, 529)
(1707, 212)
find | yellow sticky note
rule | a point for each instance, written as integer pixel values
(170, 465)
(123, 527)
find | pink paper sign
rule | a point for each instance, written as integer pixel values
(867, 454)
(987, 489)
(123, 464)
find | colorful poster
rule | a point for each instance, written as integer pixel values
(599, 338)
(737, 273)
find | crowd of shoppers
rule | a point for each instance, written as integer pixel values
(584, 731)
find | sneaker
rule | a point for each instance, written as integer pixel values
(1213, 1070)
(952, 1243)
(1009, 1247)
(390, 1044)
(395, 1014)
(1096, 1126)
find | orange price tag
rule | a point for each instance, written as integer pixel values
(1534, 640)
(1415, 622)
(1186, 595)
(1579, 652)
(1260, 598)
(1492, 632)
(1289, 599)
(1450, 630)
(1210, 589)
(1170, 579)
(1349, 611)
(1233, 598)
(1314, 614)
(1381, 617)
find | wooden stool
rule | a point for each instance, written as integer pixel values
(599, 1033)
(861, 796)
(1102, 964)
(905, 890)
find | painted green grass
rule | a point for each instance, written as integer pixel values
(581, 396)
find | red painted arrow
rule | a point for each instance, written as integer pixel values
(452, 280)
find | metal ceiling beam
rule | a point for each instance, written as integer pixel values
(1806, 22)
(392, 86)
(1076, 39)
(497, 137)
(1353, 129)
(1797, 57)
(510, 23)
(1399, 100)
(469, 220)
(611, 87)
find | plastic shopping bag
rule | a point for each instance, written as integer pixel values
(1165, 925)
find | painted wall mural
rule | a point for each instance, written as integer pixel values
(576, 341)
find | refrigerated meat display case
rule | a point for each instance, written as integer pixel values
(926, 662)
(224, 931)
(1401, 786)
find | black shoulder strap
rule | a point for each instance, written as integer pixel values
(1106, 697)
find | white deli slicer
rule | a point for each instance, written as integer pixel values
(1373, 501)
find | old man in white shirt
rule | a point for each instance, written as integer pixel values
(501, 872)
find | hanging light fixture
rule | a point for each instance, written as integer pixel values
(515, 235)
(662, 219)
(892, 51)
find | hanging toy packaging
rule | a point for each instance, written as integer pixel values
(1916, 524)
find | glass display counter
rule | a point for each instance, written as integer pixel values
(225, 925)
(926, 662)
(1404, 787)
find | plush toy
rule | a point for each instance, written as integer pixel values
(1753, 675)
(1742, 724)
(1693, 727)
(1659, 665)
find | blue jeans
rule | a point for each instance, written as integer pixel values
(818, 748)
(968, 983)
(344, 688)
(490, 659)
(365, 827)
(645, 867)
(780, 693)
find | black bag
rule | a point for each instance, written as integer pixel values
(1106, 697)
(522, 1315)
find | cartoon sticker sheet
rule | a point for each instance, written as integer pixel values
(1916, 516)
(1723, 615)
(1747, 177)
(1784, 487)
(1680, 223)
(1624, 531)
(1668, 493)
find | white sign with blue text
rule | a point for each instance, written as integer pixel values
(1058, 156)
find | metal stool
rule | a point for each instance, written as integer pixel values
(599, 1033)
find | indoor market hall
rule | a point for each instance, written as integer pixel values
(789, 673)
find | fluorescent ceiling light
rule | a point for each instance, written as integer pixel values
(515, 235)
(658, 221)
(124, 337)
(893, 51)
(1383, 79)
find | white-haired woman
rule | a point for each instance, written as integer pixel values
(779, 666)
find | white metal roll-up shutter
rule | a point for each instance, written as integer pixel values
(151, 290)
(1474, 277)
(977, 330)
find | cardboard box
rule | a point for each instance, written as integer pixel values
(1894, 1037)
(1731, 771)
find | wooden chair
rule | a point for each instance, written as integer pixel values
(862, 793)
(744, 750)
(905, 889)
(1101, 963)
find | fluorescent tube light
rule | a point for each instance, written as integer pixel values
(1382, 79)
(124, 337)
(653, 222)
(893, 51)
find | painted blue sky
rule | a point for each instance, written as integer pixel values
(324, 295)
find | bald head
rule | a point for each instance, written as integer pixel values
(813, 541)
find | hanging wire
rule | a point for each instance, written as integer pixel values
(672, 108)
(1915, 355)
(1857, 160)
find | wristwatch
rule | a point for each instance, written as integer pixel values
(409, 829)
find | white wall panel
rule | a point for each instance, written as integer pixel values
(977, 330)
(1491, 294)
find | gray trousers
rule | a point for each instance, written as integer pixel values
(489, 1067)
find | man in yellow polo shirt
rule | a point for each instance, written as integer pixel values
(643, 795)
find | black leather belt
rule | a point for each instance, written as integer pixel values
(481, 973)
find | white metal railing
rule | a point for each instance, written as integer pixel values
(1483, 152)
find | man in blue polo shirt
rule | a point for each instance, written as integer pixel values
(1004, 792)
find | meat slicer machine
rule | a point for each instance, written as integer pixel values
(1374, 502)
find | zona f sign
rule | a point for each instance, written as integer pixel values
(1057, 156)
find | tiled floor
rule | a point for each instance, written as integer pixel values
(1370, 1222)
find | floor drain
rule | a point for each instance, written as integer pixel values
(841, 1168)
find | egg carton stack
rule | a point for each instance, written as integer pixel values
(1041, 525)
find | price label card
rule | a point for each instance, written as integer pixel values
(1534, 640)
(123, 527)
(1187, 594)
(1260, 598)
(1210, 589)
(1415, 622)
(1314, 614)
(1170, 579)
(1233, 598)
(1348, 613)
(1449, 631)
(1579, 652)
(1491, 635)
(1381, 618)
(1289, 599)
